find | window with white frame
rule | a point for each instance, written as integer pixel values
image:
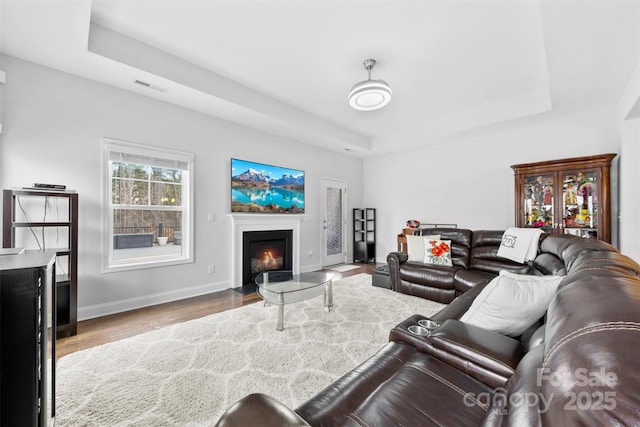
(149, 206)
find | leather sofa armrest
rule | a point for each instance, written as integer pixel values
(260, 409)
(394, 259)
(401, 333)
(400, 256)
(487, 356)
(456, 308)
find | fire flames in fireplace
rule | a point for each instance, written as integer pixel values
(266, 262)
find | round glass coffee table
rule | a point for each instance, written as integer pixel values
(283, 287)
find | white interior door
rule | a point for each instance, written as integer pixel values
(334, 221)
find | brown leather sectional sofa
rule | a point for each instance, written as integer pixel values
(580, 366)
(475, 260)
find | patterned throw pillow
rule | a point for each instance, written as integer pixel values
(437, 252)
(415, 246)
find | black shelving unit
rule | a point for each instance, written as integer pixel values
(67, 280)
(364, 235)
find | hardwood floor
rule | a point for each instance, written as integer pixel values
(105, 329)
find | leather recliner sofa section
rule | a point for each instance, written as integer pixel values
(580, 367)
(474, 255)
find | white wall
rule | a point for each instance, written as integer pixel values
(628, 116)
(53, 125)
(467, 180)
(629, 189)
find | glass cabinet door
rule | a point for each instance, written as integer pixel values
(539, 201)
(580, 203)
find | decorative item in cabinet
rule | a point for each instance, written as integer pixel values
(47, 219)
(364, 234)
(569, 196)
(538, 204)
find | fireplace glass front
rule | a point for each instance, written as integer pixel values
(265, 251)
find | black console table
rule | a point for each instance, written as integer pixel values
(27, 350)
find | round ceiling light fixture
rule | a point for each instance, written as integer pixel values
(370, 94)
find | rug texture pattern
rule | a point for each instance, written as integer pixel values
(343, 267)
(189, 374)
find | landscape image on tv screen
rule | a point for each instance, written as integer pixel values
(261, 188)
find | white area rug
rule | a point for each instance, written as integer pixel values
(189, 374)
(343, 267)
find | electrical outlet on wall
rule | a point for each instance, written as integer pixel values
(212, 268)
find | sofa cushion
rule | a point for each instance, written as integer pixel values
(333, 405)
(549, 264)
(437, 252)
(416, 245)
(441, 295)
(511, 303)
(435, 276)
(427, 392)
(605, 260)
(573, 252)
(601, 342)
(459, 305)
(467, 279)
(556, 244)
(484, 254)
(398, 386)
(460, 243)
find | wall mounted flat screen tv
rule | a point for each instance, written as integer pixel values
(261, 188)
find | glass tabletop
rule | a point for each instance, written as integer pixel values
(293, 287)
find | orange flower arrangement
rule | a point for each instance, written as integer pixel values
(439, 250)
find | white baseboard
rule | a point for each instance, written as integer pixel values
(99, 310)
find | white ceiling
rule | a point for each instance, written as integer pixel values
(286, 67)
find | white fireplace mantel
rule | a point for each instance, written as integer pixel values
(261, 222)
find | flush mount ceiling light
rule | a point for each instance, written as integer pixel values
(370, 94)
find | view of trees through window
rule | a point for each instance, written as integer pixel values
(146, 199)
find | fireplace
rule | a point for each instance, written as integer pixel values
(242, 223)
(266, 250)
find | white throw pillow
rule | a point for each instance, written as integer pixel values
(415, 246)
(511, 302)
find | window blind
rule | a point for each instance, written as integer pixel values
(118, 156)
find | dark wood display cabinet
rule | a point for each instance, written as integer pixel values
(364, 235)
(48, 220)
(569, 196)
(27, 347)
